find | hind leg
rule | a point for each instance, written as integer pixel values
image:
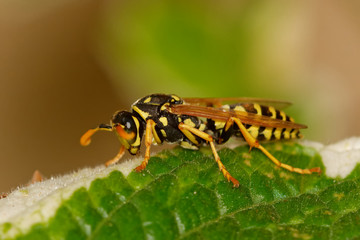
(255, 143)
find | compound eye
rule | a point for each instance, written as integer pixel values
(129, 125)
(122, 118)
(124, 124)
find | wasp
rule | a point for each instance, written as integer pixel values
(193, 122)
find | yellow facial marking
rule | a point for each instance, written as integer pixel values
(143, 114)
(164, 121)
(137, 124)
(137, 140)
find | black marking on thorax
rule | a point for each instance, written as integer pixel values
(167, 124)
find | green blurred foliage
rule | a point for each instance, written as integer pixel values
(203, 49)
(192, 48)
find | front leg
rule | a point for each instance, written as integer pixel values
(150, 125)
(117, 157)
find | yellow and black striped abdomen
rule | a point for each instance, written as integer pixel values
(258, 132)
(267, 133)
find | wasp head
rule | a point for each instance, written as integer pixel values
(129, 130)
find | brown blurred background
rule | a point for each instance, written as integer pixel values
(68, 65)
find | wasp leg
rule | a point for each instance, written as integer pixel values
(255, 143)
(148, 140)
(86, 138)
(117, 157)
(186, 129)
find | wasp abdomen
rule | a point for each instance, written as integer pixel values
(257, 131)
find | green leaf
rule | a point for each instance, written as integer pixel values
(183, 195)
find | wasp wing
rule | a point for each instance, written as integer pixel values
(218, 102)
(223, 115)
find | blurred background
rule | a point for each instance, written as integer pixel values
(66, 66)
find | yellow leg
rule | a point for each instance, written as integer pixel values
(186, 129)
(148, 140)
(255, 143)
(117, 157)
(86, 139)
